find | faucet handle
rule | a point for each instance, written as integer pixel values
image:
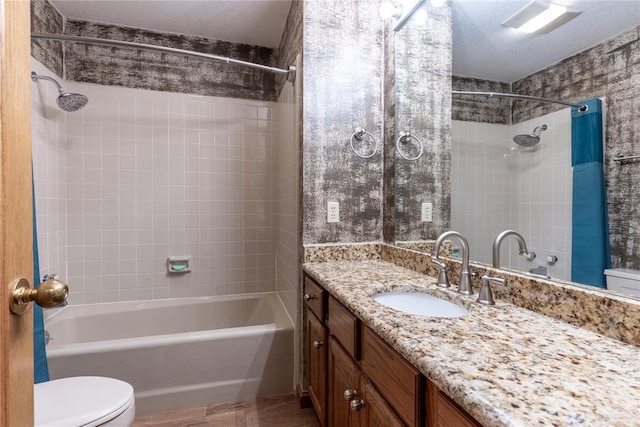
(443, 280)
(486, 295)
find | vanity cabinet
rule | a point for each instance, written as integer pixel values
(354, 401)
(316, 347)
(356, 379)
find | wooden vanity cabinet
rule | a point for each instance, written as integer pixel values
(355, 379)
(317, 344)
(444, 412)
(353, 400)
(316, 347)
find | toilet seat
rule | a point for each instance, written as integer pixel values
(80, 401)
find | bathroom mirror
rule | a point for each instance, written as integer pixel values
(485, 131)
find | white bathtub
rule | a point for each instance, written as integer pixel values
(178, 353)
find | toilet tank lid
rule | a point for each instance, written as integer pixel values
(625, 273)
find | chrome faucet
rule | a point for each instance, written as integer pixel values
(486, 295)
(464, 286)
(521, 245)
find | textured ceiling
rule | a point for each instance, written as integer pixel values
(255, 22)
(483, 47)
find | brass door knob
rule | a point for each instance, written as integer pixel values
(50, 293)
(308, 297)
(318, 343)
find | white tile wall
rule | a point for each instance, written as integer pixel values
(480, 185)
(287, 199)
(49, 173)
(528, 191)
(154, 174)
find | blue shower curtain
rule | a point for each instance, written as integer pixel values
(40, 367)
(590, 252)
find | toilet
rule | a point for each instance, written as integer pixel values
(623, 280)
(84, 401)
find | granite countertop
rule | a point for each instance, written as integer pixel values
(505, 365)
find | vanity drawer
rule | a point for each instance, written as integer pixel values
(398, 382)
(314, 297)
(345, 327)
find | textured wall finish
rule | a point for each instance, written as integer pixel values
(167, 72)
(423, 108)
(610, 70)
(479, 108)
(291, 42)
(389, 113)
(46, 19)
(342, 91)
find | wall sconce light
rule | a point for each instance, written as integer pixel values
(539, 18)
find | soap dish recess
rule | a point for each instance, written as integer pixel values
(178, 264)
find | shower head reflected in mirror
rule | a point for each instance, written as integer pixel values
(66, 101)
(531, 139)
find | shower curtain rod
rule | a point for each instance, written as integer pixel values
(291, 72)
(581, 108)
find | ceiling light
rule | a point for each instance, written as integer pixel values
(538, 17)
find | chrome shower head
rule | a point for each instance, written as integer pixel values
(531, 139)
(66, 101)
(71, 101)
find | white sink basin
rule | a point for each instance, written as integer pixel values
(420, 304)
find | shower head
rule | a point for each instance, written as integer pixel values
(66, 101)
(531, 139)
(71, 101)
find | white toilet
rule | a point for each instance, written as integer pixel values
(623, 280)
(84, 401)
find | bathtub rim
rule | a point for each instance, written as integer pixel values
(281, 322)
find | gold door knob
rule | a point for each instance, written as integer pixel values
(50, 293)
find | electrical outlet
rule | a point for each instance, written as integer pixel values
(333, 212)
(426, 213)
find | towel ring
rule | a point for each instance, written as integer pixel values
(404, 138)
(360, 134)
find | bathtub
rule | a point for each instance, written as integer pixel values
(178, 353)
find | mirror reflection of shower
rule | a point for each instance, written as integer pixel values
(69, 102)
(528, 142)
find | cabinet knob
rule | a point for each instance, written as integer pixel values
(356, 405)
(350, 394)
(308, 297)
(318, 343)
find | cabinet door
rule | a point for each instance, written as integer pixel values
(344, 379)
(377, 412)
(317, 369)
(443, 412)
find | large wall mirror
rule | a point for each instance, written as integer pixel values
(472, 176)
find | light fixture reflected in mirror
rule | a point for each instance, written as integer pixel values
(388, 10)
(537, 17)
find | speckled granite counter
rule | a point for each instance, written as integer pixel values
(505, 365)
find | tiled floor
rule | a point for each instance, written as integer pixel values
(277, 411)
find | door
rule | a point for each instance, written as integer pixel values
(377, 412)
(317, 350)
(16, 259)
(344, 386)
